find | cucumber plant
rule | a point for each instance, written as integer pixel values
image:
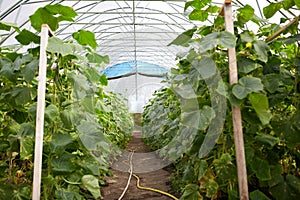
(267, 92)
(84, 125)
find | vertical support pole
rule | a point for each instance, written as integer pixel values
(236, 111)
(39, 131)
(135, 60)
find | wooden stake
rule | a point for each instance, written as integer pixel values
(236, 111)
(39, 131)
(277, 33)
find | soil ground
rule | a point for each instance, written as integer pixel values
(142, 162)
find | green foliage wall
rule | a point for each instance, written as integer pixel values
(84, 126)
(267, 92)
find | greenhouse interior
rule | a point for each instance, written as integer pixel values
(149, 99)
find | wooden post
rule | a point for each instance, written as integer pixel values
(236, 111)
(39, 130)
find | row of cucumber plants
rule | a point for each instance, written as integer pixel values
(85, 125)
(187, 123)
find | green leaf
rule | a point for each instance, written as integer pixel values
(286, 189)
(246, 86)
(205, 66)
(23, 95)
(197, 4)
(245, 14)
(188, 174)
(261, 49)
(91, 183)
(287, 4)
(80, 85)
(7, 70)
(51, 112)
(261, 168)
(246, 36)
(203, 166)
(92, 74)
(261, 106)
(84, 37)
(21, 60)
(7, 26)
(67, 195)
(271, 82)
(26, 147)
(27, 129)
(246, 65)
(90, 134)
(258, 195)
(191, 193)
(56, 45)
(25, 37)
(224, 38)
(267, 139)
(271, 9)
(30, 70)
(199, 119)
(199, 15)
(184, 38)
(42, 16)
(67, 118)
(103, 80)
(63, 164)
(291, 39)
(97, 58)
(65, 13)
(185, 91)
(213, 9)
(59, 142)
(51, 15)
(297, 2)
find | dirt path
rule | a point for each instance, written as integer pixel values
(142, 162)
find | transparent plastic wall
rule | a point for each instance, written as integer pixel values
(137, 97)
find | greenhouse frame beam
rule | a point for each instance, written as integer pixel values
(123, 24)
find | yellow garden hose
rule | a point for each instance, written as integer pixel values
(130, 171)
(151, 189)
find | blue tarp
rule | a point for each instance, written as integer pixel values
(128, 68)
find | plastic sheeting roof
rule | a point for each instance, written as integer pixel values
(126, 30)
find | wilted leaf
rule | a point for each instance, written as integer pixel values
(91, 183)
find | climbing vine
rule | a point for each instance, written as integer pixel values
(84, 125)
(267, 92)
